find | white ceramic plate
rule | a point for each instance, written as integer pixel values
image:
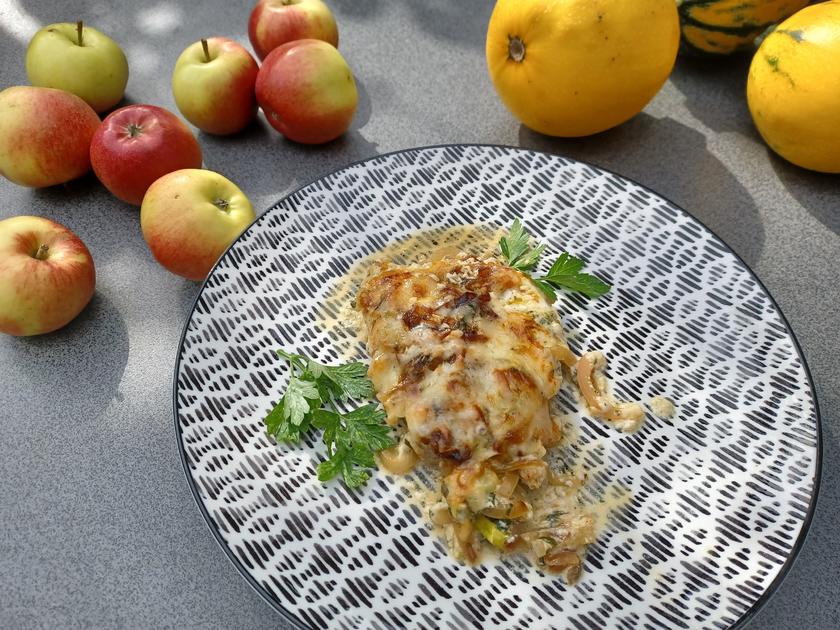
(720, 496)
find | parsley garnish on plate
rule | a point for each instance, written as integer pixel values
(565, 273)
(353, 437)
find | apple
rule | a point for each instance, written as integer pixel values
(45, 135)
(277, 22)
(78, 59)
(137, 144)
(46, 275)
(213, 85)
(190, 217)
(307, 91)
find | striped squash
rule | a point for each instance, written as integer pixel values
(722, 27)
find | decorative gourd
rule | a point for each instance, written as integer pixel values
(792, 88)
(723, 27)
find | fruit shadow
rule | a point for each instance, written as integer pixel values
(356, 8)
(818, 193)
(671, 159)
(91, 480)
(109, 227)
(715, 91)
(273, 166)
(48, 368)
(459, 23)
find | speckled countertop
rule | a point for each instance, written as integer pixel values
(97, 524)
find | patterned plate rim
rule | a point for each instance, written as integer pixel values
(287, 615)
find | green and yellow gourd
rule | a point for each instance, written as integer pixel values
(723, 27)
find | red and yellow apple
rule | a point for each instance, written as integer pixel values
(45, 136)
(78, 59)
(190, 217)
(307, 91)
(213, 85)
(137, 144)
(46, 275)
(277, 22)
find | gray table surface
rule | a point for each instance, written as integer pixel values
(97, 524)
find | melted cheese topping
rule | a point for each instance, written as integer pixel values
(467, 354)
(465, 351)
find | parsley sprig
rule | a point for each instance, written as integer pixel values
(565, 273)
(352, 437)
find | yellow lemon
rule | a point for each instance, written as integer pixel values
(793, 88)
(577, 67)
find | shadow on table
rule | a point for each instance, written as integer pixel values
(818, 193)
(457, 22)
(672, 159)
(275, 165)
(58, 195)
(356, 8)
(715, 91)
(187, 295)
(95, 345)
(108, 226)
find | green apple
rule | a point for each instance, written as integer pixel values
(78, 59)
(190, 217)
(213, 85)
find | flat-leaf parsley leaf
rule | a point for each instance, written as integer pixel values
(353, 437)
(565, 273)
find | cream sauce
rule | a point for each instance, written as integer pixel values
(662, 407)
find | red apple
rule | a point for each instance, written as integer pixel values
(45, 136)
(277, 22)
(136, 145)
(190, 217)
(213, 85)
(46, 275)
(307, 91)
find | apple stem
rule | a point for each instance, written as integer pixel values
(206, 50)
(41, 254)
(79, 26)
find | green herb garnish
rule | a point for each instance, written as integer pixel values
(352, 437)
(565, 273)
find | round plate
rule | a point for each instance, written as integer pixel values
(720, 496)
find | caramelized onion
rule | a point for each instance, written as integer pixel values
(565, 355)
(586, 384)
(516, 509)
(518, 464)
(398, 459)
(562, 560)
(627, 416)
(465, 540)
(440, 514)
(508, 485)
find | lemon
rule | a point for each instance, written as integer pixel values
(577, 67)
(793, 88)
